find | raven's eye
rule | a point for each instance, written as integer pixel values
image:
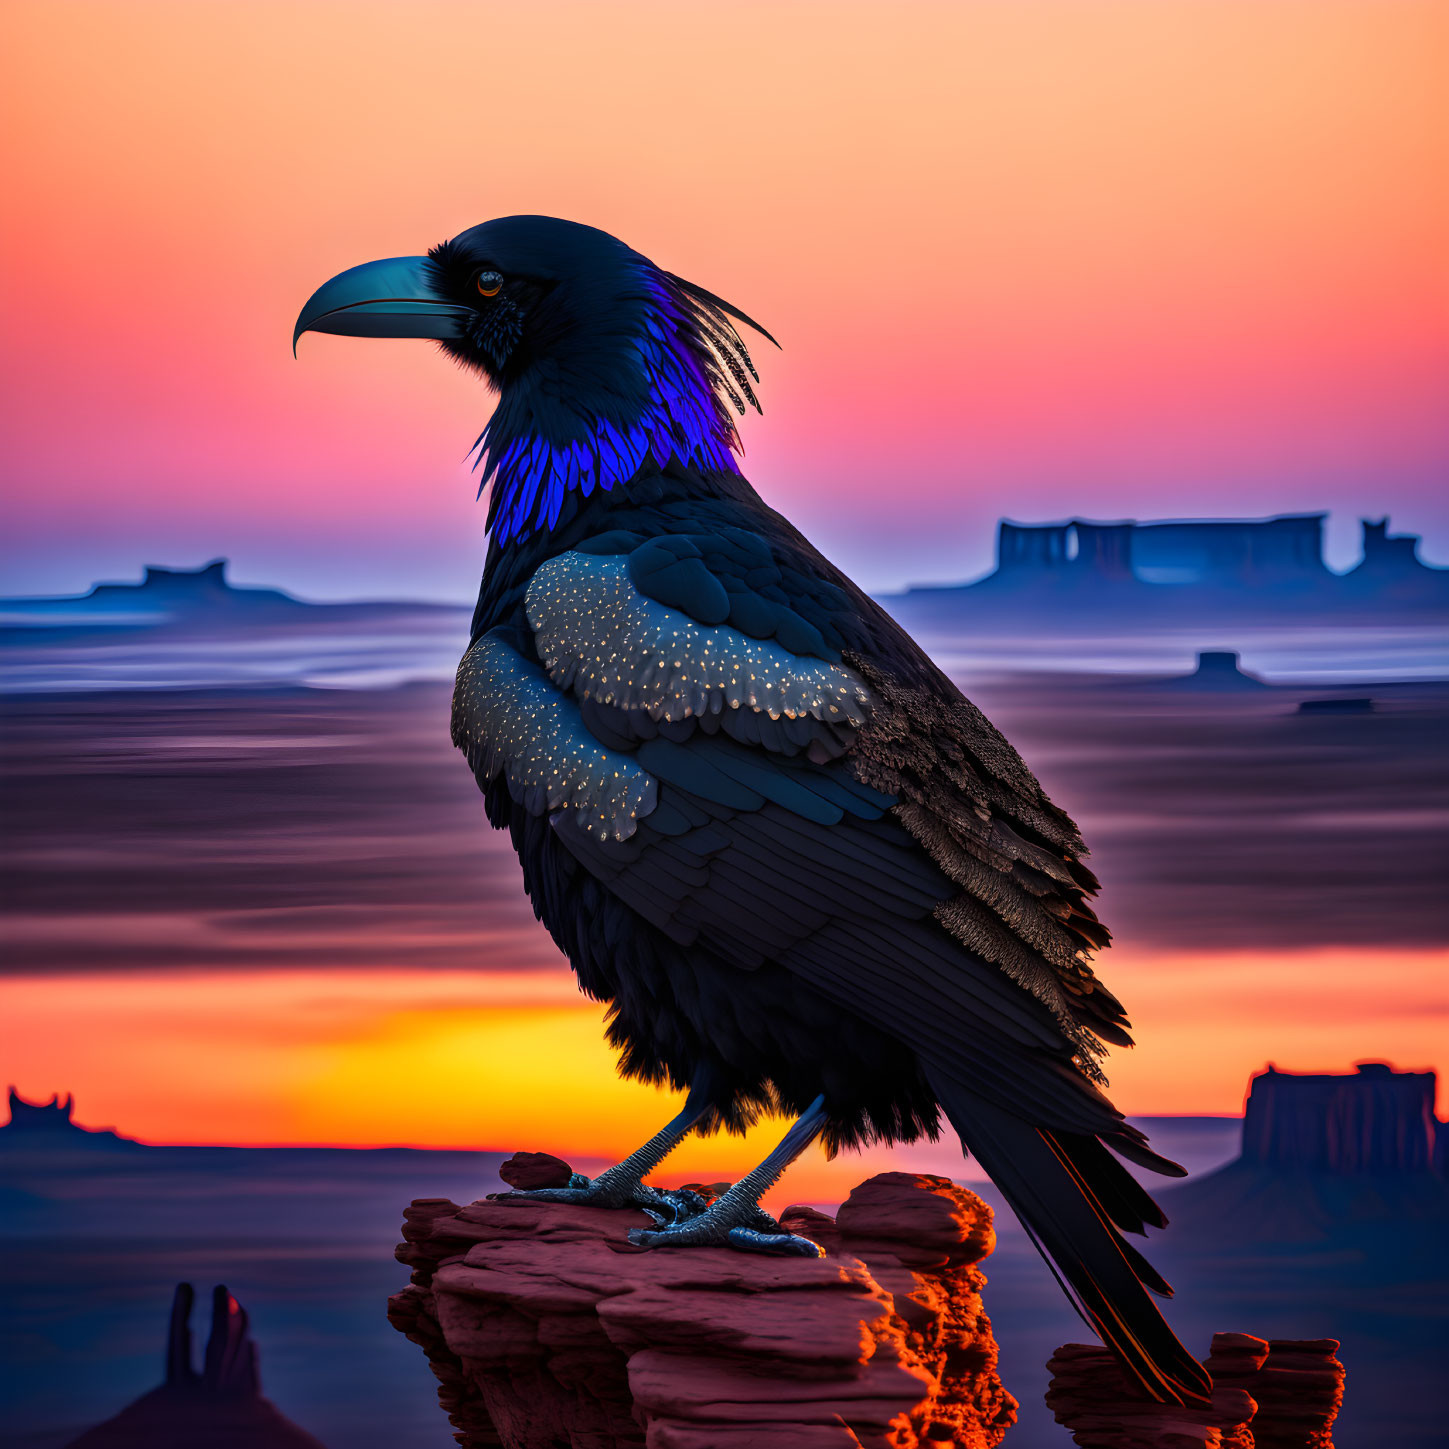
(489, 283)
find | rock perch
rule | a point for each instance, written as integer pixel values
(545, 1328)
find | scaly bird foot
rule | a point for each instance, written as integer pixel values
(664, 1205)
(724, 1224)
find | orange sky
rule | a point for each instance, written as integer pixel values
(517, 1059)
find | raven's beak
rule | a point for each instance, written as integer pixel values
(395, 297)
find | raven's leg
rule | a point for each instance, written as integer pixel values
(735, 1219)
(623, 1184)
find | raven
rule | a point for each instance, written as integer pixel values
(803, 870)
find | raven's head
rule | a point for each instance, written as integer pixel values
(605, 363)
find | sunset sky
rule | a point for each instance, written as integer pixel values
(1121, 257)
(1030, 258)
(515, 1059)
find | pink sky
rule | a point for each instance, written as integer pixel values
(1132, 258)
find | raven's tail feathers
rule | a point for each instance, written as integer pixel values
(1071, 1195)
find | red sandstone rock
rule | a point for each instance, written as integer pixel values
(810, 1223)
(1091, 1395)
(1267, 1394)
(544, 1328)
(1297, 1383)
(529, 1170)
(707, 1190)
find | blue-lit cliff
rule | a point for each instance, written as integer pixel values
(1080, 572)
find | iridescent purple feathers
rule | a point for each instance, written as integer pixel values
(693, 367)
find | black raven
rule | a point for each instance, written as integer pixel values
(802, 868)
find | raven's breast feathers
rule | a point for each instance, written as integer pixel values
(511, 721)
(656, 682)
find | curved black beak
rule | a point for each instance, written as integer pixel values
(395, 297)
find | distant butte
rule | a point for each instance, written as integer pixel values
(204, 588)
(219, 1408)
(1356, 1160)
(1376, 1121)
(1079, 572)
(170, 595)
(52, 1123)
(1217, 669)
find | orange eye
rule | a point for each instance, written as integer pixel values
(489, 284)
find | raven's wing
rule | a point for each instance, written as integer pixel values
(747, 756)
(787, 627)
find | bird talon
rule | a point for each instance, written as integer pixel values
(667, 1206)
(693, 1234)
(779, 1244)
(581, 1192)
(718, 1227)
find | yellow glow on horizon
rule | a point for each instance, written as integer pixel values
(1205, 1021)
(517, 1060)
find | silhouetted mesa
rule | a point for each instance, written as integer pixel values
(188, 591)
(1355, 1162)
(52, 1124)
(221, 1407)
(201, 595)
(1080, 571)
(1231, 552)
(1391, 557)
(49, 1117)
(1357, 705)
(544, 1328)
(1375, 1121)
(1217, 669)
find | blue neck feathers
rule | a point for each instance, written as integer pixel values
(642, 394)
